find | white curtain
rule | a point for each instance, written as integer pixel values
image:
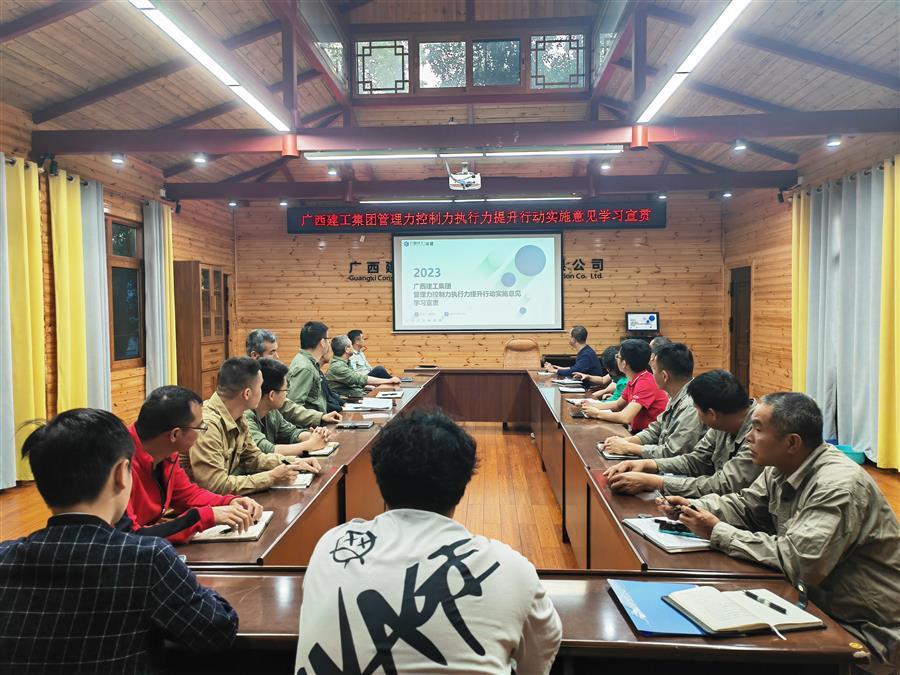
(7, 418)
(844, 312)
(96, 291)
(155, 322)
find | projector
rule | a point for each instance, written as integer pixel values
(463, 179)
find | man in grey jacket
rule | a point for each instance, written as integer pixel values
(814, 515)
(720, 463)
(678, 428)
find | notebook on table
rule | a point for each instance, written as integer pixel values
(389, 394)
(614, 455)
(566, 380)
(571, 390)
(329, 449)
(302, 480)
(648, 528)
(734, 612)
(226, 533)
(576, 401)
(368, 405)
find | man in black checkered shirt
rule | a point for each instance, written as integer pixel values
(80, 596)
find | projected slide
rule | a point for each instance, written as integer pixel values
(478, 283)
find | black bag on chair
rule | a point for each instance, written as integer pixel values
(333, 402)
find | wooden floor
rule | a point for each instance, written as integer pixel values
(508, 499)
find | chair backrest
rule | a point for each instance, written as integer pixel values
(522, 353)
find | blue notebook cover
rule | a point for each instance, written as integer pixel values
(648, 612)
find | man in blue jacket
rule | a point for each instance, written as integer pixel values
(586, 360)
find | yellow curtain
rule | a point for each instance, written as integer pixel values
(799, 289)
(169, 263)
(26, 288)
(889, 344)
(68, 274)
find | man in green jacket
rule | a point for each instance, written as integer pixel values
(268, 428)
(345, 381)
(262, 343)
(305, 374)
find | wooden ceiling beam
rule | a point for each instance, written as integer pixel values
(266, 169)
(792, 51)
(350, 5)
(713, 129)
(465, 98)
(42, 17)
(468, 28)
(715, 91)
(789, 50)
(774, 153)
(187, 165)
(687, 161)
(286, 11)
(321, 114)
(617, 51)
(502, 186)
(143, 77)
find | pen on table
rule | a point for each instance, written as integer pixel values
(677, 507)
(767, 603)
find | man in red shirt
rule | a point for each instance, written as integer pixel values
(164, 502)
(642, 401)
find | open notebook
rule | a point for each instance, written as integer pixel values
(225, 533)
(670, 543)
(368, 405)
(722, 612)
(614, 455)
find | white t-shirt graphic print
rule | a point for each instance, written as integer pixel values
(414, 592)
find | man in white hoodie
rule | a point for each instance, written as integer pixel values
(412, 590)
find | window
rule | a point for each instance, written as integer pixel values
(382, 66)
(126, 292)
(442, 64)
(557, 61)
(495, 62)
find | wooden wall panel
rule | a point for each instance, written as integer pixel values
(285, 280)
(201, 231)
(757, 232)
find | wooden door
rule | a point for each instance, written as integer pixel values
(739, 325)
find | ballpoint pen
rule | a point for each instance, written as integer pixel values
(767, 603)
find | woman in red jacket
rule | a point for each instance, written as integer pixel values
(164, 502)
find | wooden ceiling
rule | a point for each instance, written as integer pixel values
(107, 42)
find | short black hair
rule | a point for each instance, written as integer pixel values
(72, 455)
(636, 353)
(718, 390)
(608, 361)
(339, 344)
(676, 359)
(423, 460)
(312, 333)
(579, 334)
(658, 343)
(353, 334)
(164, 409)
(796, 413)
(257, 339)
(235, 375)
(273, 372)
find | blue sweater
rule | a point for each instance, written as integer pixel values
(586, 362)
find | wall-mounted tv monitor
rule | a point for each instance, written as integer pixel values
(642, 322)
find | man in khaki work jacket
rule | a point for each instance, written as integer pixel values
(224, 458)
(345, 381)
(720, 463)
(817, 517)
(678, 428)
(262, 343)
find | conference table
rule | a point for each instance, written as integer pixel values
(263, 579)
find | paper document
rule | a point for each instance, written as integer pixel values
(571, 390)
(226, 533)
(566, 380)
(389, 394)
(369, 404)
(301, 481)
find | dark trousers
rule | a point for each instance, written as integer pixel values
(379, 371)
